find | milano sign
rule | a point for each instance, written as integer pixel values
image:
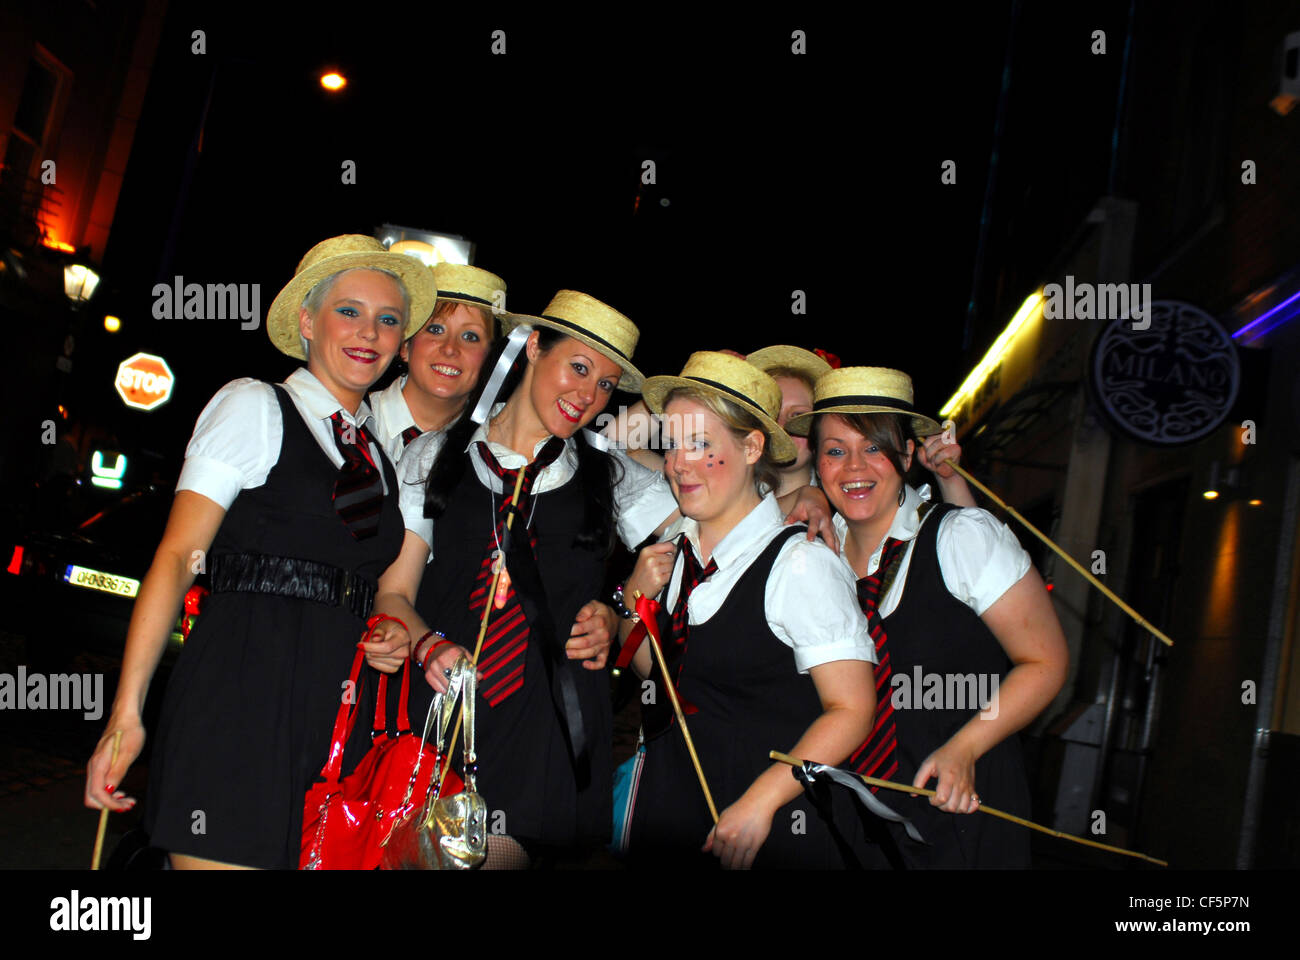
(1171, 383)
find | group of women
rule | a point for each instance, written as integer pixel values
(317, 512)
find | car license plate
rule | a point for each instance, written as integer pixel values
(96, 580)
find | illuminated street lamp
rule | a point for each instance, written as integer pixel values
(79, 283)
(333, 82)
(425, 245)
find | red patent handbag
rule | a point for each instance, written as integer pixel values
(346, 820)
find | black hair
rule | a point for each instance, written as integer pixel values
(597, 472)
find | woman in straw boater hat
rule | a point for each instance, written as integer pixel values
(291, 505)
(545, 725)
(765, 640)
(795, 371)
(950, 595)
(443, 358)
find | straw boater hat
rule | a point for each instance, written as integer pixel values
(792, 358)
(600, 327)
(732, 379)
(864, 390)
(347, 252)
(472, 286)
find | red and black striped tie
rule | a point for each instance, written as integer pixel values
(409, 434)
(502, 658)
(877, 757)
(692, 577)
(359, 487)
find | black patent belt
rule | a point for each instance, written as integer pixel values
(287, 577)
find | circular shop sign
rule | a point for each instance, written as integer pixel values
(1171, 383)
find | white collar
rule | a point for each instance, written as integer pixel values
(739, 538)
(319, 402)
(391, 404)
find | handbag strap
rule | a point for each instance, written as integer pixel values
(468, 697)
(381, 703)
(344, 721)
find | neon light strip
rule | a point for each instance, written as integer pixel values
(994, 355)
(1268, 313)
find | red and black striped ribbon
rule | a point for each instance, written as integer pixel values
(409, 434)
(502, 657)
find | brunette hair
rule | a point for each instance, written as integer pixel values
(740, 422)
(889, 431)
(597, 472)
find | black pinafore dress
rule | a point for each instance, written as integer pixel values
(751, 699)
(933, 631)
(247, 718)
(525, 774)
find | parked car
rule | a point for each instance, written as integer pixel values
(71, 588)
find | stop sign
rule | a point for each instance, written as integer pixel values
(144, 381)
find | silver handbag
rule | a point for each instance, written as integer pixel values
(445, 833)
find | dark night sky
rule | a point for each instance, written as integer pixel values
(782, 172)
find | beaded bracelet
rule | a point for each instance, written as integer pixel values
(619, 606)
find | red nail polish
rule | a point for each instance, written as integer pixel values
(108, 788)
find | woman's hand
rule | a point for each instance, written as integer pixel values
(437, 669)
(954, 765)
(592, 631)
(937, 455)
(386, 646)
(812, 507)
(102, 775)
(654, 567)
(741, 829)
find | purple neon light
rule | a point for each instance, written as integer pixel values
(1264, 316)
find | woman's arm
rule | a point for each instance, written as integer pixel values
(1025, 625)
(847, 691)
(632, 429)
(191, 527)
(398, 586)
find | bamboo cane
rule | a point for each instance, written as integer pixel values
(991, 811)
(103, 813)
(1142, 621)
(490, 599)
(651, 635)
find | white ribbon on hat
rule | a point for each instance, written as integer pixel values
(514, 343)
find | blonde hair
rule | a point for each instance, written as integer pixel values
(767, 475)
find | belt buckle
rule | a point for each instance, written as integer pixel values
(349, 587)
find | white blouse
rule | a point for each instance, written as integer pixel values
(810, 600)
(979, 556)
(236, 440)
(643, 497)
(391, 417)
